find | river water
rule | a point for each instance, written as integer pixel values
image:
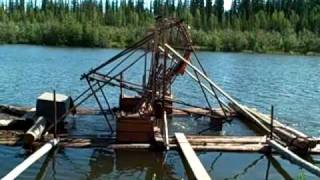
(290, 83)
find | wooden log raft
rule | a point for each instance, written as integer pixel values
(199, 143)
(295, 140)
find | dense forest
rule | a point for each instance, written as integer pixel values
(250, 25)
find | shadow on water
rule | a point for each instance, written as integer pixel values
(276, 165)
(245, 170)
(115, 164)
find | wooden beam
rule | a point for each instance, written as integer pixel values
(197, 168)
(238, 107)
(290, 136)
(166, 133)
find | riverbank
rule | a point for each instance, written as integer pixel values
(197, 48)
(220, 40)
(203, 48)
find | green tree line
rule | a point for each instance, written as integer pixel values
(250, 25)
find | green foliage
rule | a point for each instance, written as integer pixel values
(254, 25)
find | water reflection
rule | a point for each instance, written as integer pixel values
(141, 164)
(276, 165)
(122, 164)
(245, 170)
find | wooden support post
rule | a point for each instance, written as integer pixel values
(271, 124)
(121, 86)
(100, 105)
(197, 168)
(166, 130)
(294, 158)
(55, 113)
(31, 159)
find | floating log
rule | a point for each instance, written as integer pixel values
(194, 163)
(13, 174)
(35, 132)
(14, 110)
(276, 123)
(199, 143)
(216, 113)
(294, 158)
(296, 140)
(8, 121)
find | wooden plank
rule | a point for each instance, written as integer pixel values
(197, 168)
(294, 158)
(225, 139)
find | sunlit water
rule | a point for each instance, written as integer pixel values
(290, 83)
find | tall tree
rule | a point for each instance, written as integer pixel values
(219, 9)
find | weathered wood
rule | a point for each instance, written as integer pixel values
(166, 131)
(295, 139)
(197, 168)
(207, 143)
(35, 132)
(14, 110)
(224, 139)
(277, 124)
(294, 158)
(254, 148)
(134, 129)
(216, 113)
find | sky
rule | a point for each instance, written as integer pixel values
(227, 4)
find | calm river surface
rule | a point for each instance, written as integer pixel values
(290, 83)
